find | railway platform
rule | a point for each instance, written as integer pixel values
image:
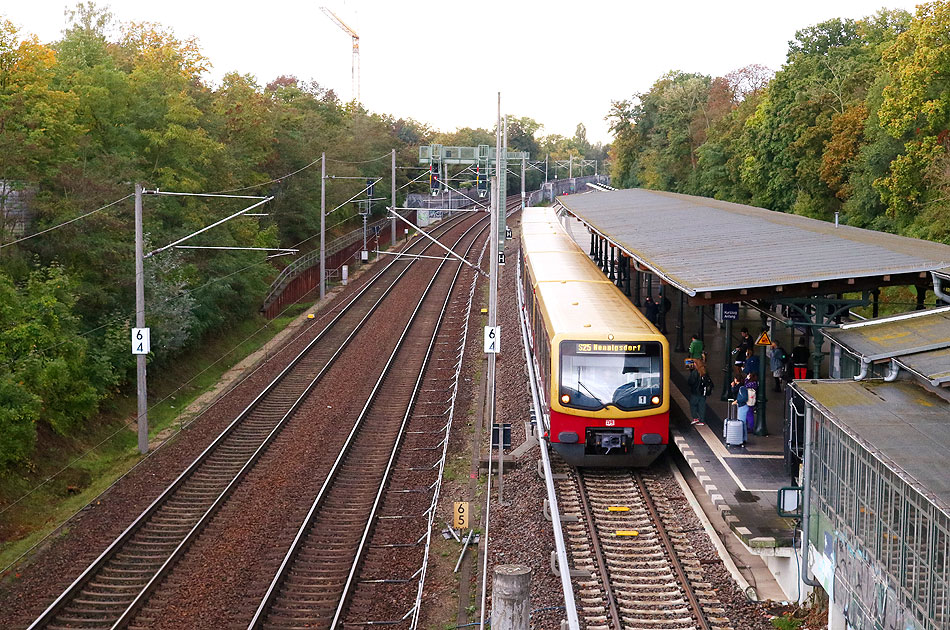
(741, 482)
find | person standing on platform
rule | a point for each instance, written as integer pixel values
(800, 357)
(752, 389)
(777, 359)
(751, 364)
(699, 387)
(695, 348)
(651, 310)
(667, 305)
(742, 350)
(734, 387)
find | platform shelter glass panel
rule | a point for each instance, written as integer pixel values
(892, 543)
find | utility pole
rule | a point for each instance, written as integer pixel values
(323, 224)
(393, 224)
(497, 209)
(141, 387)
(570, 166)
(523, 162)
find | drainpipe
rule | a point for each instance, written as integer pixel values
(806, 500)
(892, 372)
(938, 289)
(863, 374)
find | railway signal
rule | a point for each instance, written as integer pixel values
(481, 182)
(435, 186)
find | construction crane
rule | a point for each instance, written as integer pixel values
(355, 68)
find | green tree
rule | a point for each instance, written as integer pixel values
(37, 122)
(48, 373)
(915, 109)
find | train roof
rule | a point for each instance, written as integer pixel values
(575, 295)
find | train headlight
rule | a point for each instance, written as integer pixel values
(565, 399)
(655, 400)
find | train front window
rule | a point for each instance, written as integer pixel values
(626, 375)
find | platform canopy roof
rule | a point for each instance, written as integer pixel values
(716, 251)
(919, 341)
(902, 424)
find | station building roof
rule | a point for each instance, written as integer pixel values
(919, 341)
(716, 251)
(904, 425)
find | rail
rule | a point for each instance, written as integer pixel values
(271, 595)
(417, 605)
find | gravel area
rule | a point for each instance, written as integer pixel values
(743, 614)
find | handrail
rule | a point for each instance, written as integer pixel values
(311, 258)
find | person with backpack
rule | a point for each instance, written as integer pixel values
(700, 386)
(751, 386)
(777, 360)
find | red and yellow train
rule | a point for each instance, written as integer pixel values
(603, 368)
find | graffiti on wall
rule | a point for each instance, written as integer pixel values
(865, 588)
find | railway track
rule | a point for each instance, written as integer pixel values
(110, 591)
(321, 567)
(641, 571)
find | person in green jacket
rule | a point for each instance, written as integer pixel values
(695, 348)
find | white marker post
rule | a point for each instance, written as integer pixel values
(492, 339)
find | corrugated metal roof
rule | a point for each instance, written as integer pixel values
(700, 244)
(934, 366)
(894, 336)
(904, 425)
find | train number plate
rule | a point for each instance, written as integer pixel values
(610, 423)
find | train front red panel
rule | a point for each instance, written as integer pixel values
(656, 423)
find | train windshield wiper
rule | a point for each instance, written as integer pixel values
(592, 395)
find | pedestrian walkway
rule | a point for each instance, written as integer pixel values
(742, 481)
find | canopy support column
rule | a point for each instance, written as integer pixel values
(680, 346)
(727, 363)
(636, 289)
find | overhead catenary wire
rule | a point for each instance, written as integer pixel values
(186, 293)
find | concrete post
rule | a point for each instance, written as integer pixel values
(323, 225)
(392, 227)
(728, 362)
(509, 597)
(140, 380)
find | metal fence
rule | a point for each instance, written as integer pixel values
(302, 276)
(890, 544)
(555, 188)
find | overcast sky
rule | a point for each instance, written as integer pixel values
(437, 61)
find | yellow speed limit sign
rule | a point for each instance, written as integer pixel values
(460, 515)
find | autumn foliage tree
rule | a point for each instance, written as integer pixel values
(856, 122)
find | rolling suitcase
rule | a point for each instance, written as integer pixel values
(734, 430)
